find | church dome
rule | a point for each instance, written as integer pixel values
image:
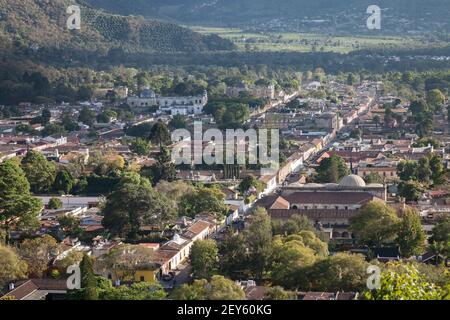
(352, 181)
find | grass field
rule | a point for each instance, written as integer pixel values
(306, 42)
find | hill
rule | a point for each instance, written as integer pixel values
(345, 16)
(42, 24)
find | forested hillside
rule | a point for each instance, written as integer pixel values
(399, 16)
(42, 24)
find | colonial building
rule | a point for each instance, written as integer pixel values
(172, 105)
(329, 206)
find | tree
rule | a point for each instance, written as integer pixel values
(290, 256)
(340, 272)
(13, 268)
(160, 135)
(435, 98)
(251, 182)
(203, 200)
(376, 120)
(164, 170)
(204, 258)
(88, 280)
(140, 131)
(403, 282)
(218, 288)
(140, 147)
(70, 225)
(52, 129)
(55, 203)
(332, 169)
(87, 116)
(408, 170)
(437, 169)
(258, 237)
(375, 224)
(137, 291)
(373, 177)
(410, 190)
(39, 172)
(46, 116)
(17, 206)
(410, 236)
(277, 293)
(440, 238)
(178, 122)
(293, 225)
(38, 253)
(233, 255)
(131, 206)
(64, 182)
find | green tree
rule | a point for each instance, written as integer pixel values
(258, 237)
(137, 291)
(204, 258)
(131, 206)
(404, 282)
(277, 293)
(55, 203)
(375, 224)
(88, 279)
(373, 177)
(140, 147)
(435, 98)
(64, 182)
(160, 135)
(233, 255)
(17, 207)
(332, 169)
(203, 200)
(70, 225)
(87, 116)
(38, 253)
(251, 182)
(410, 190)
(408, 170)
(218, 288)
(437, 169)
(340, 272)
(46, 116)
(164, 170)
(289, 257)
(39, 171)
(410, 236)
(178, 122)
(13, 268)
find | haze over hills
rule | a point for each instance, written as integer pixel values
(345, 16)
(42, 23)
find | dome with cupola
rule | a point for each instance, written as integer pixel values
(352, 181)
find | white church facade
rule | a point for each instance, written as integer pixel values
(172, 105)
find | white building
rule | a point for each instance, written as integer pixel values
(172, 105)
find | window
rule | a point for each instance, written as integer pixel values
(142, 278)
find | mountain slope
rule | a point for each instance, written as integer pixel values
(400, 16)
(43, 23)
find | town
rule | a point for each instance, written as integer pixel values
(224, 158)
(93, 182)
